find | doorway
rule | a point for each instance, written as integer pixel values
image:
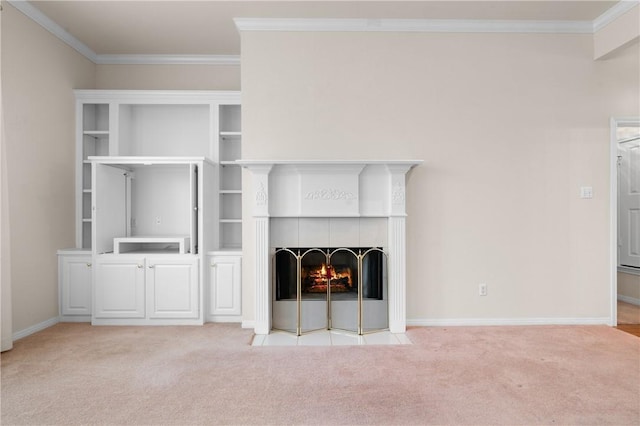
(625, 223)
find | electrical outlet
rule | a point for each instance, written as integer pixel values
(158, 220)
(482, 289)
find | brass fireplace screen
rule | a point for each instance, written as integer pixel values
(351, 281)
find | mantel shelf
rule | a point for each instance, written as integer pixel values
(326, 163)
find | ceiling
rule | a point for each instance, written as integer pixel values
(206, 27)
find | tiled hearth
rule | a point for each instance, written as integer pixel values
(353, 195)
(330, 338)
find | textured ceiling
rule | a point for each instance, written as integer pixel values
(207, 28)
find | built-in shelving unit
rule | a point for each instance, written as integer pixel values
(163, 123)
(93, 135)
(158, 195)
(230, 150)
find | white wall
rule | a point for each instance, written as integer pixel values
(509, 125)
(38, 74)
(168, 77)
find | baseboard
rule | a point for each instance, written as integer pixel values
(75, 318)
(507, 321)
(629, 270)
(224, 318)
(35, 328)
(629, 299)
(248, 324)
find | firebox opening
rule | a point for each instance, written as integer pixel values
(324, 269)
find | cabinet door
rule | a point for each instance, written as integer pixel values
(173, 287)
(119, 287)
(225, 286)
(110, 206)
(75, 285)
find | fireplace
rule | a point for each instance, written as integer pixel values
(296, 206)
(326, 288)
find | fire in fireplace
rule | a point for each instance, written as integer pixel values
(315, 279)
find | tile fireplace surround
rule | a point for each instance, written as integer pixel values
(329, 190)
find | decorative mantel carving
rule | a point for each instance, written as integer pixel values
(330, 194)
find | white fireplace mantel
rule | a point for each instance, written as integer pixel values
(333, 189)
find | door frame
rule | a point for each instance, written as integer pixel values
(615, 122)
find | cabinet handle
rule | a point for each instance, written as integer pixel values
(151, 266)
(140, 266)
(88, 265)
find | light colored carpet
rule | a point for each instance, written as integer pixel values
(78, 374)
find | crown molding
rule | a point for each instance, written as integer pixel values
(613, 13)
(45, 22)
(414, 25)
(348, 25)
(167, 60)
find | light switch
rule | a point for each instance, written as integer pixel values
(586, 192)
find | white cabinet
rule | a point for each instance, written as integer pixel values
(74, 280)
(173, 287)
(143, 290)
(119, 287)
(225, 287)
(157, 187)
(149, 226)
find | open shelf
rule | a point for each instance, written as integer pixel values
(231, 235)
